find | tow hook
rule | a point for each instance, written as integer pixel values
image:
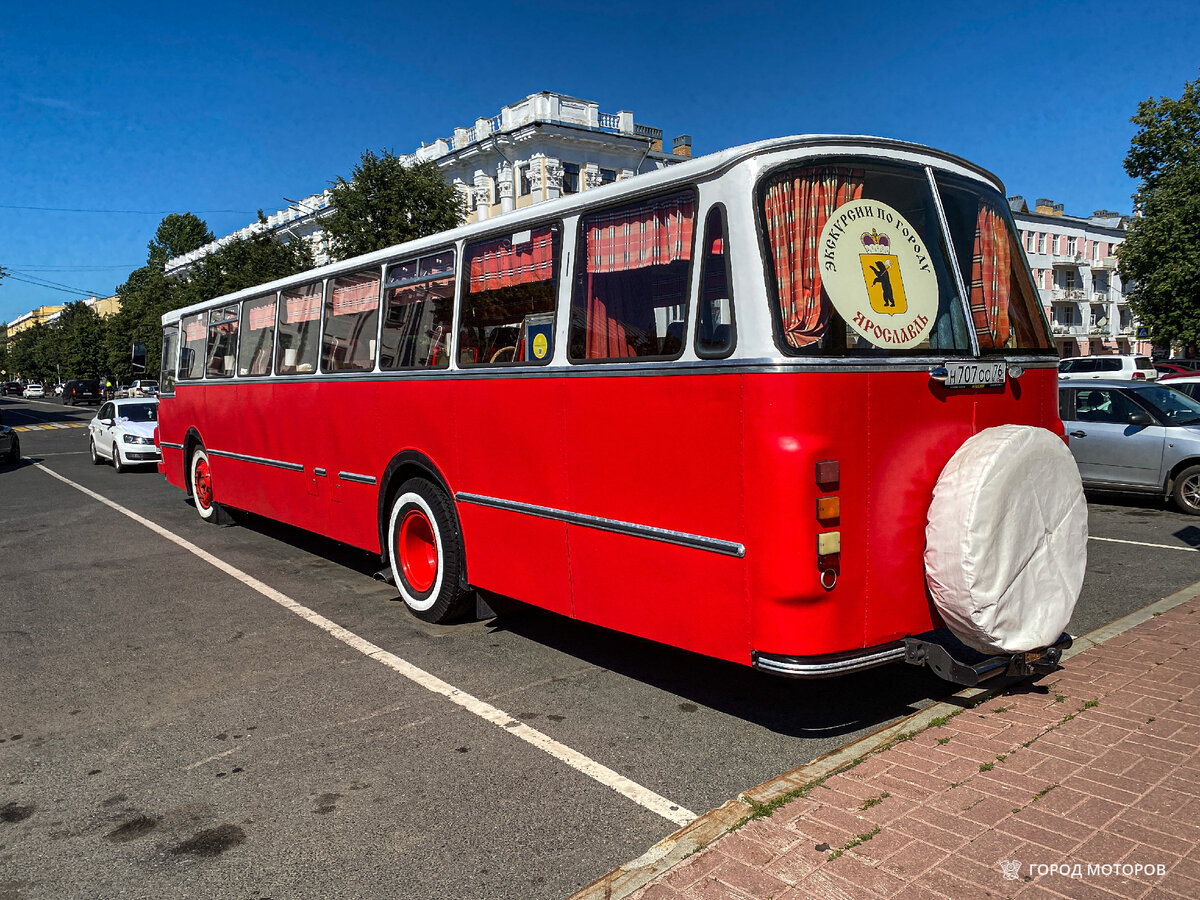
(920, 652)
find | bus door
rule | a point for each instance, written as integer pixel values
(653, 449)
(510, 469)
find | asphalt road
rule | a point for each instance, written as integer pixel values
(168, 731)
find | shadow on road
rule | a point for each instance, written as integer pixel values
(826, 707)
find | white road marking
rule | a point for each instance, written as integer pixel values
(1143, 544)
(644, 797)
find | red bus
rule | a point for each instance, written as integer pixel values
(712, 406)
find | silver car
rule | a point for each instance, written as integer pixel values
(1134, 436)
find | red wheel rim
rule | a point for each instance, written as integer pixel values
(203, 484)
(417, 548)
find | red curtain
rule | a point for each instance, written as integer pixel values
(654, 234)
(500, 263)
(619, 243)
(262, 316)
(303, 305)
(991, 271)
(797, 208)
(355, 294)
(195, 330)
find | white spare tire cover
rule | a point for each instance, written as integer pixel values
(1006, 543)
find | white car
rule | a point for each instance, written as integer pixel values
(123, 432)
(143, 388)
(1114, 367)
(33, 391)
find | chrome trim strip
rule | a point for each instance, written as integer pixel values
(169, 444)
(732, 366)
(352, 476)
(797, 668)
(650, 532)
(319, 472)
(278, 464)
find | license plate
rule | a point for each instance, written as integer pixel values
(969, 374)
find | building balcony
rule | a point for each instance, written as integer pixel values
(1072, 294)
(1065, 330)
(1100, 297)
(1068, 261)
(1105, 262)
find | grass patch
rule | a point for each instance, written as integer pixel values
(986, 767)
(1000, 709)
(1149, 720)
(1091, 703)
(1002, 757)
(861, 839)
(1059, 698)
(1044, 791)
(875, 801)
(943, 740)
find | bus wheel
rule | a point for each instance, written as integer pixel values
(1187, 490)
(202, 489)
(426, 551)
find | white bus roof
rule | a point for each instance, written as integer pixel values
(693, 170)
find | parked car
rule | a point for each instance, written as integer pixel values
(1188, 384)
(33, 391)
(1124, 368)
(123, 432)
(10, 443)
(81, 390)
(1135, 436)
(1170, 370)
(11, 389)
(143, 388)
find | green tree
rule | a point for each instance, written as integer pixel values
(177, 234)
(387, 202)
(80, 336)
(1159, 257)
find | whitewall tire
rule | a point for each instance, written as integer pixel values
(426, 551)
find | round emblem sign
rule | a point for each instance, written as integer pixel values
(877, 272)
(540, 346)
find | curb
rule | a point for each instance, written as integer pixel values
(675, 847)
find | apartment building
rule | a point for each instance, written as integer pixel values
(1074, 264)
(543, 147)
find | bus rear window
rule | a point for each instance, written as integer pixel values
(857, 262)
(1005, 308)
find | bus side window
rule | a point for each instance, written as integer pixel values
(715, 326)
(170, 358)
(351, 321)
(299, 324)
(257, 337)
(222, 342)
(418, 298)
(508, 304)
(195, 331)
(631, 287)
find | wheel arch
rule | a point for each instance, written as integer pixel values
(403, 466)
(191, 441)
(1176, 469)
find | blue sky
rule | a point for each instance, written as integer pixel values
(223, 109)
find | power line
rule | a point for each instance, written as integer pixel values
(133, 212)
(54, 285)
(36, 268)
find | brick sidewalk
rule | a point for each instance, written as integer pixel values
(1100, 769)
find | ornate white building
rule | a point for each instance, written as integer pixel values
(1074, 263)
(539, 149)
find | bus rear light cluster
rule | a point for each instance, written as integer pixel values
(829, 512)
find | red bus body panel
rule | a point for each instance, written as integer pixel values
(726, 456)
